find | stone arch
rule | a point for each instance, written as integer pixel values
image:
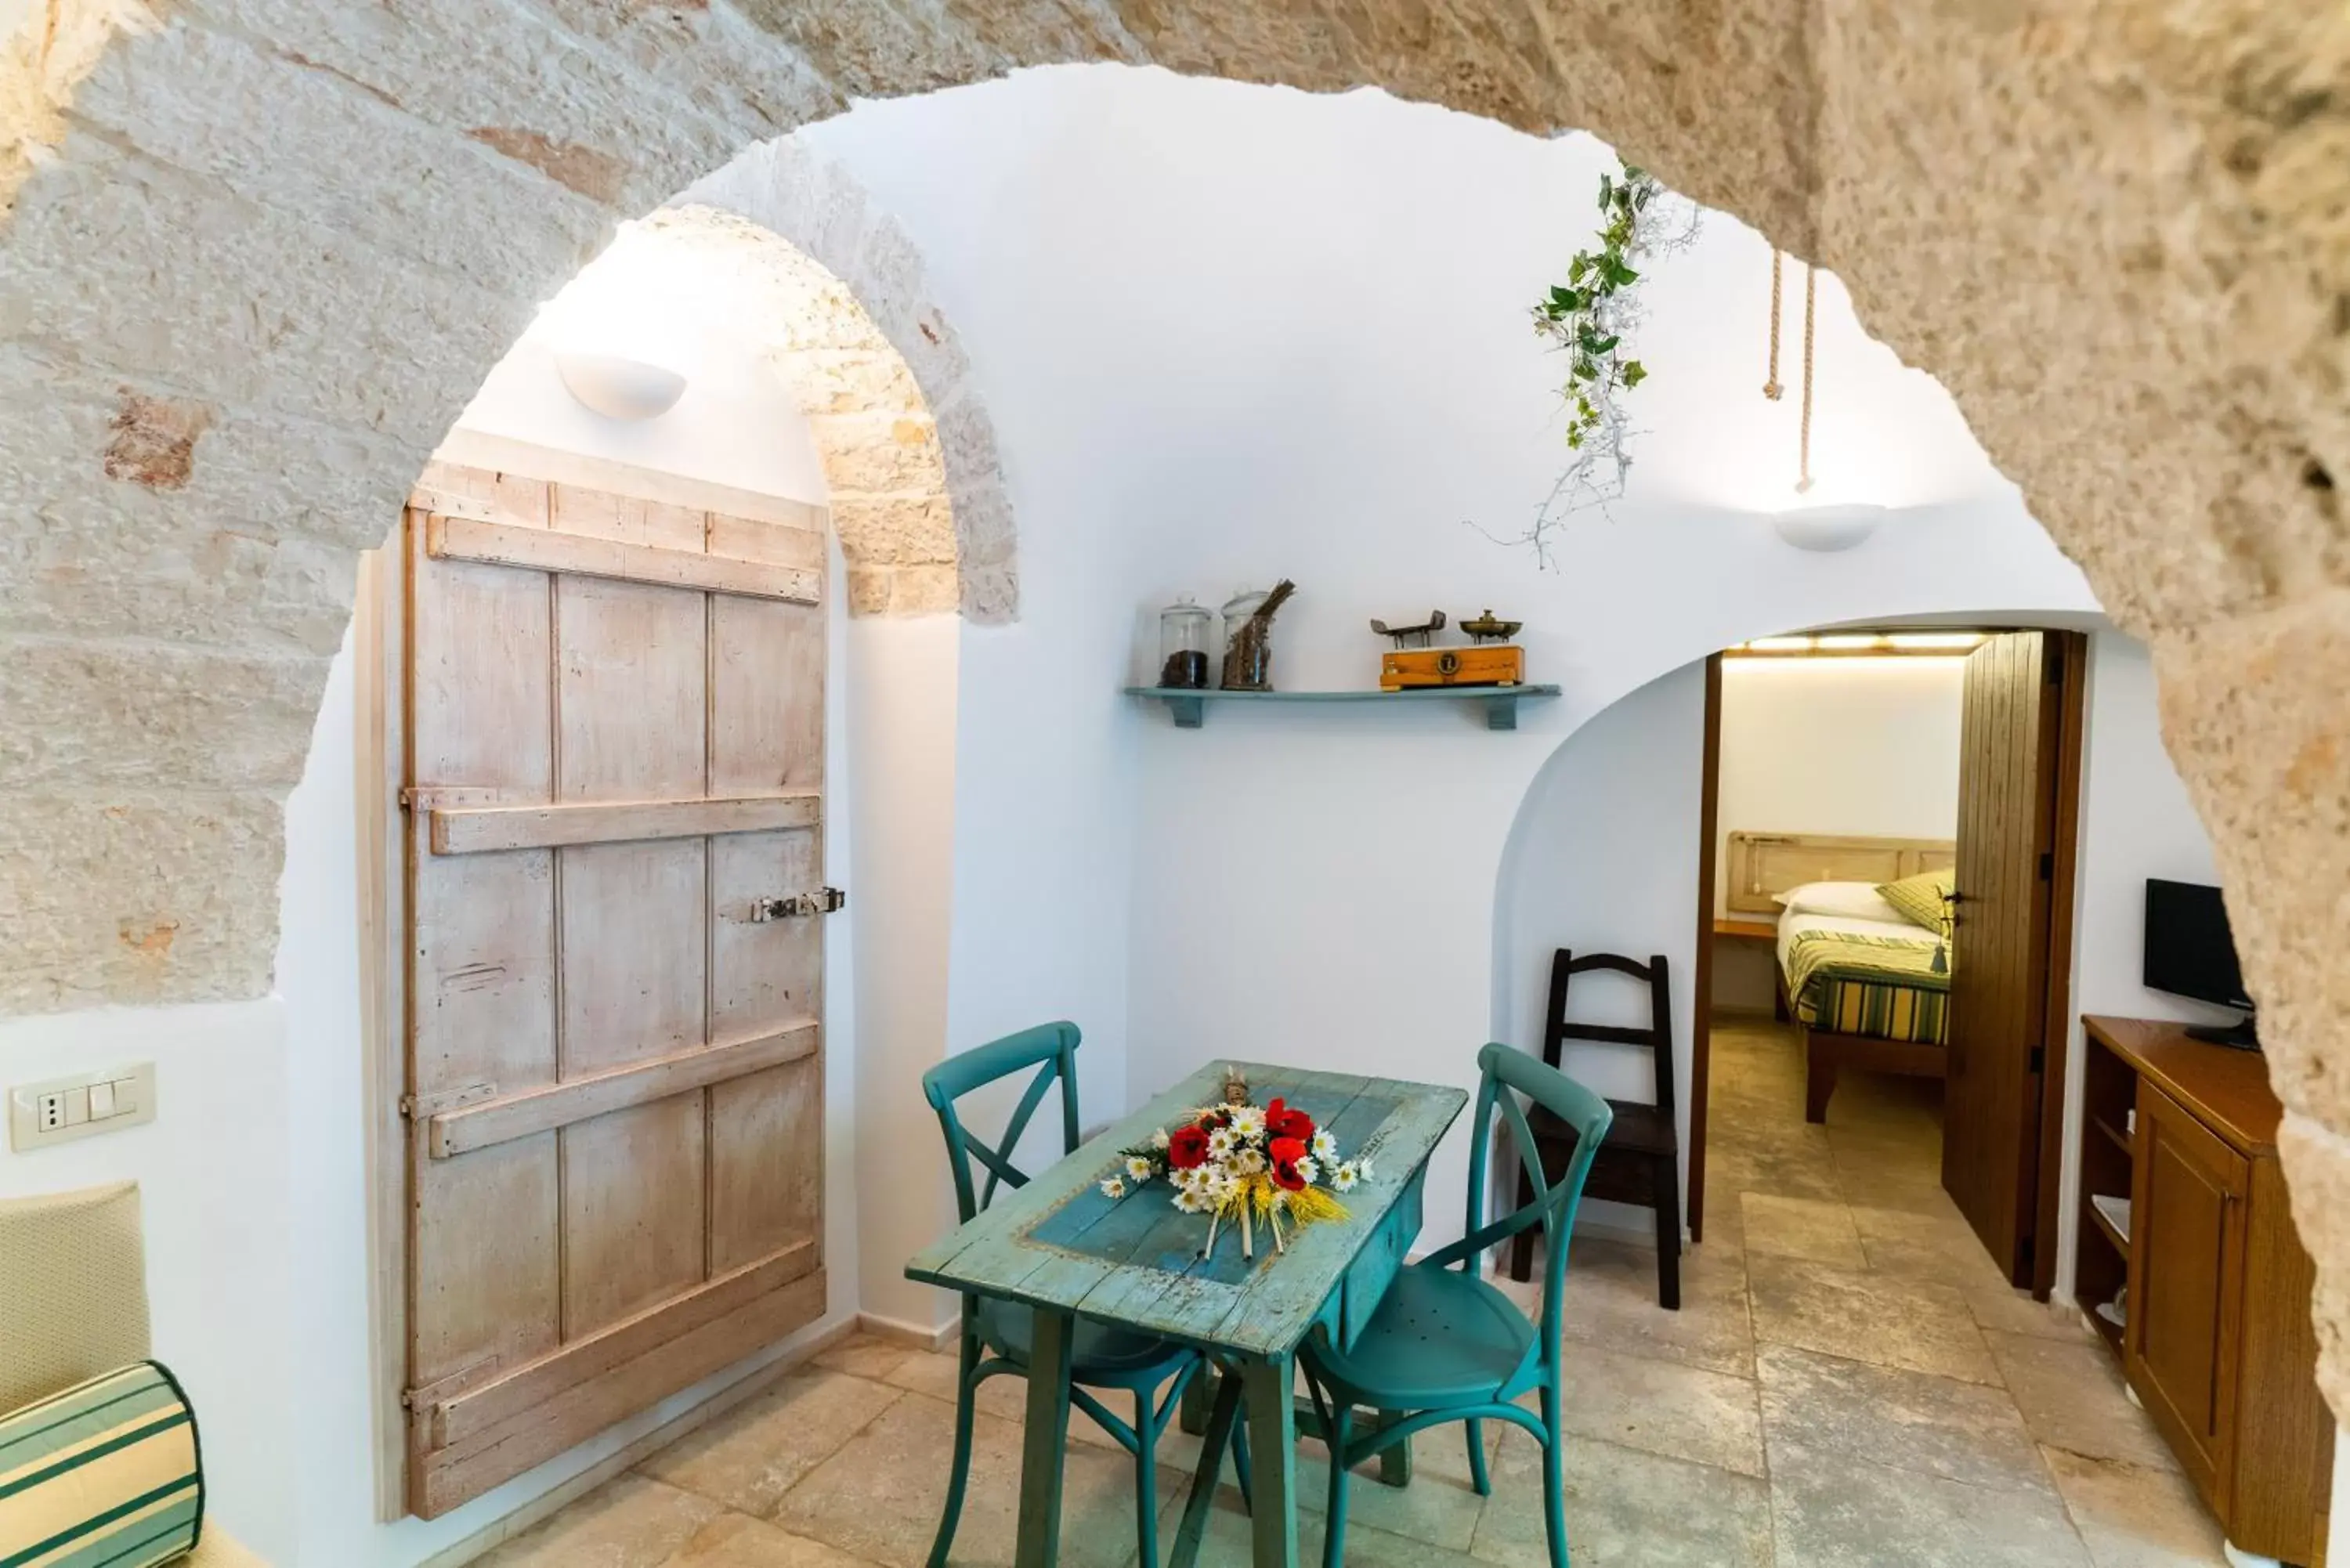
(231, 339)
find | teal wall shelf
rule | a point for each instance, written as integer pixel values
(1500, 703)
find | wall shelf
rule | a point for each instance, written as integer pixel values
(1500, 703)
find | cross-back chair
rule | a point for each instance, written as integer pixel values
(1444, 1344)
(1641, 1162)
(998, 1335)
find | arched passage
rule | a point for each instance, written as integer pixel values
(233, 339)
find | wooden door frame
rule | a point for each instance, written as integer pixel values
(2072, 648)
(380, 650)
(2071, 739)
(1702, 970)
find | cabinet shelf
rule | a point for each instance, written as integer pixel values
(1499, 704)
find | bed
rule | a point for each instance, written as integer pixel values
(1868, 988)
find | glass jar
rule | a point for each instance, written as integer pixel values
(1248, 661)
(1184, 630)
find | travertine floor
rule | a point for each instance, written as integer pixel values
(1848, 1384)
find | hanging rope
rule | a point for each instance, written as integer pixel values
(1771, 387)
(1804, 456)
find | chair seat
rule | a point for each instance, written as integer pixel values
(1439, 1339)
(1637, 1129)
(1102, 1353)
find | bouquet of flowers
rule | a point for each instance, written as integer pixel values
(1244, 1166)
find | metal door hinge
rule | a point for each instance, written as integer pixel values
(823, 901)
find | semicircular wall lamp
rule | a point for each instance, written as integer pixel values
(618, 387)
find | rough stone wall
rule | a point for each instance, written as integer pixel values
(279, 242)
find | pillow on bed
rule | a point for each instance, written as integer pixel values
(1850, 900)
(1921, 897)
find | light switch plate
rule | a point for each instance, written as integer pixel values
(44, 1115)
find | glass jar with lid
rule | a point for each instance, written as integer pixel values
(1184, 632)
(1248, 660)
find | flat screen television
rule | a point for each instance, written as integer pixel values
(2189, 953)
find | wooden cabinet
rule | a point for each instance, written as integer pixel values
(2216, 1341)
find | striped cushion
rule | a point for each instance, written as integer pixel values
(104, 1475)
(1921, 897)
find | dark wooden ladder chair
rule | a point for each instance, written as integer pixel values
(1640, 1162)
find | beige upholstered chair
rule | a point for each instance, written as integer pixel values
(73, 1304)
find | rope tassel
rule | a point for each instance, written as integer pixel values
(1803, 455)
(1771, 387)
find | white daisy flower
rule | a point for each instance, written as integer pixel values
(1326, 1147)
(1249, 1122)
(1113, 1187)
(1188, 1202)
(1249, 1162)
(1346, 1175)
(1221, 1143)
(1307, 1171)
(1138, 1169)
(1161, 1139)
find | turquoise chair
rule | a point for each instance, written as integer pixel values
(997, 1334)
(1444, 1345)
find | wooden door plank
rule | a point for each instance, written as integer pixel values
(447, 1477)
(766, 1163)
(476, 1409)
(452, 538)
(633, 1215)
(478, 830)
(767, 697)
(761, 971)
(608, 514)
(775, 541)
(502, 1120)
(634, 953)
(483, 1284)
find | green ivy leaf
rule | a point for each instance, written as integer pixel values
(1585, 371)
(1607, 191)
(1575, 436)
(1635, 372)
(1605, 345)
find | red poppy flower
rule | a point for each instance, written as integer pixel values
(1187, 1148)
(1285, 1173)
(1286, 1150)
(1283, 1120)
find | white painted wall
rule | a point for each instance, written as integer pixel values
(1838, 745)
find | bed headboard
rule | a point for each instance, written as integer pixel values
(1761, 864)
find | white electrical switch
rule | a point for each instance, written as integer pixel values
(64, 1109)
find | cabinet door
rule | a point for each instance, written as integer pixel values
(2185, 1285)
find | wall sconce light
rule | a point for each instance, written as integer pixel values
(1827, 527)
(618, 388)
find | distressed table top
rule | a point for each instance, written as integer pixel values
(1057, 1242)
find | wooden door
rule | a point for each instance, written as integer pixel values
(2185, 1285)
(2015, 773)
(614, 753)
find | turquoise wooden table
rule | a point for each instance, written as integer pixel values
(1060, 1246)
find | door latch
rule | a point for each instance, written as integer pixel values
(823, 901)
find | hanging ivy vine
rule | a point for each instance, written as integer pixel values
(1592, 319)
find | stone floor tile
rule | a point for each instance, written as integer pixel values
(1831, 1512)
(1924, 1247)
(879, 1496)
(1625, 1509)
(630, 1521)
(866, 1355)
(1611, 1302)
(1811, 1228)
(1228, 1542)
(1801, 1172)
(738, 1541)
(2136, 1516)
(1910, 1191)
(1661, 1407)
(2072, 1398)
(749, 1457)
(1837, 1409)
(2003, 1307)
(1918, 1325)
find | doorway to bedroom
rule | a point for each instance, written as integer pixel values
(1887, 861)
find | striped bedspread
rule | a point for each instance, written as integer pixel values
(1885, 987)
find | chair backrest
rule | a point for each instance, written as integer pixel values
(1051, 1050)
(1657, 1035)
(73, 1290)
(1504, 1075)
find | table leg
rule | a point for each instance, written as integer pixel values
(1047, 1441)
(1191, 1413)
(1395, 1464)
(1272, 1444)
(1216, 1437)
